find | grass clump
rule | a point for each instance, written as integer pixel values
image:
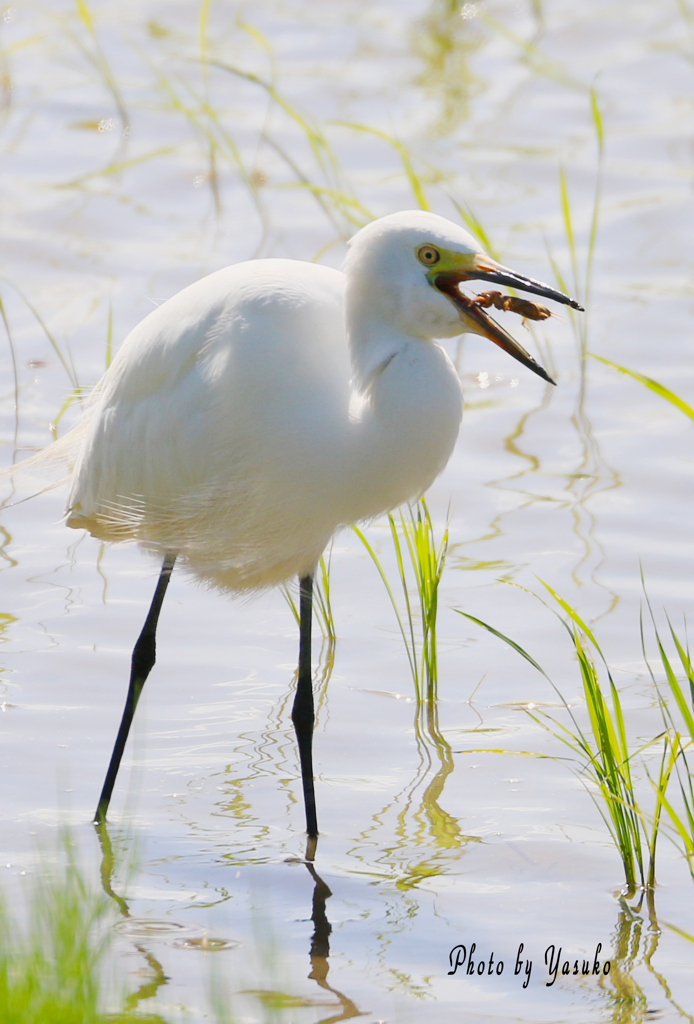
(414, 542)
(607, 756)
(50, 969)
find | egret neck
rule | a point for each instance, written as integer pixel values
(408, 416)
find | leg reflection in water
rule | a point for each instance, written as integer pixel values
(157, 977)
(320, 941)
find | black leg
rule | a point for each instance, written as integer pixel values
(302, 712)
(144, 656)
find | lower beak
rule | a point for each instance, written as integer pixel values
(477, 321)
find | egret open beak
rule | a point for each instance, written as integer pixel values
(484, 268)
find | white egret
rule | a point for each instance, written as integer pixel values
(251, 415)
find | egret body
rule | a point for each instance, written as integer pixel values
(268, 404)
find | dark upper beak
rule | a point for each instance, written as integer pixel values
(487, 269)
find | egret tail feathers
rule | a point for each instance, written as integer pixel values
(56, 461)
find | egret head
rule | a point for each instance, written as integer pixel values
(407, 269)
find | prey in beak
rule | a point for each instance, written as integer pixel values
(449, 270)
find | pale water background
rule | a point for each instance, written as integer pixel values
(577, 484)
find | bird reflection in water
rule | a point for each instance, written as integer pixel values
(319, 950)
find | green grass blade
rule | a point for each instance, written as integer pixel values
(568, 228)
(203, 19)
(652, 385)
(678, 931)
(97, 58)
(473, 224)
(53, 343)
(323, 605)
(674, 685)
(683, 832)
(13, 360)
(593, 234)
(666, 766)
(573, 615)
(408, 641)
(597, 118)
(507, 640)
(255, 34)
(85, 15)
(689, 670)
(406, 594)
(557, 271)
(410, 174)
(289, 598)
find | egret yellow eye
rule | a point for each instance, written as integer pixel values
(428, 255)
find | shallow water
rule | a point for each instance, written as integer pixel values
(428, 840)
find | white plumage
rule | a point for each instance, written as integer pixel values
(258, 410)
(262, 407)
